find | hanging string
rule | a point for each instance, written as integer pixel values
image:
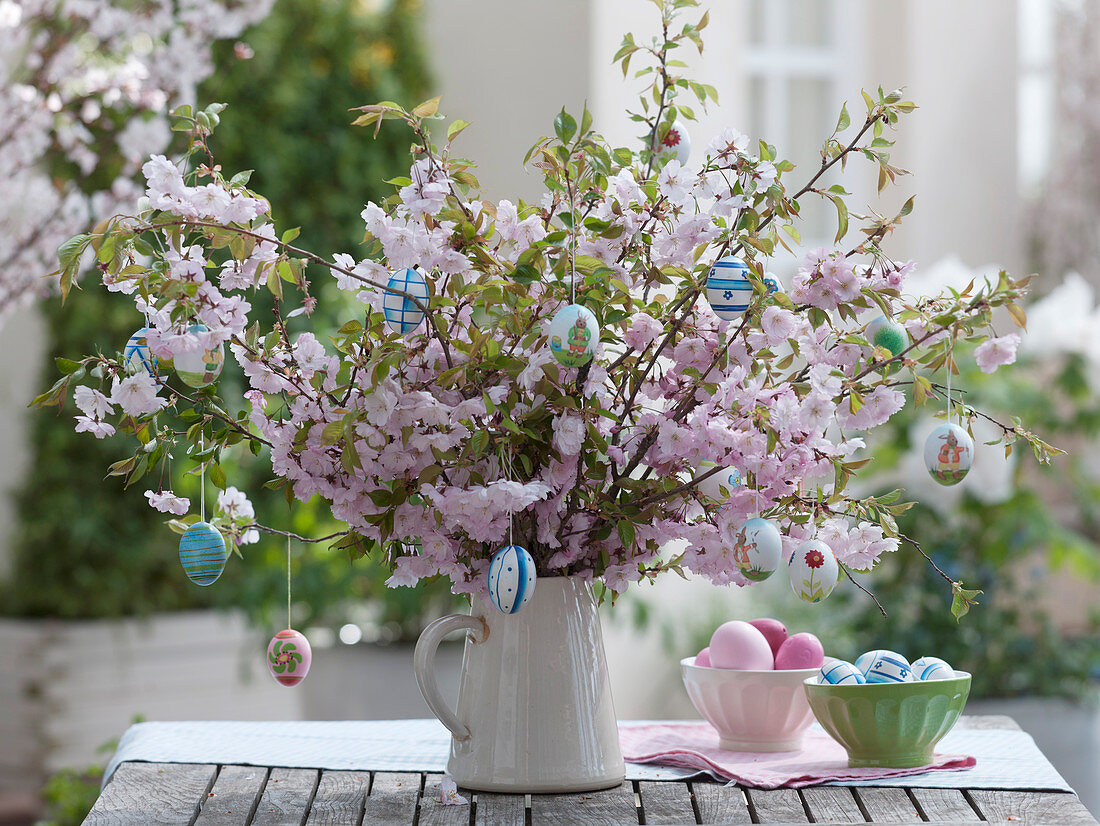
(202, 483)
(947, 347)
(511, 515)
(573, 242)
(288, 582)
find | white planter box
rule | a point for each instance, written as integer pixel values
(68, 687)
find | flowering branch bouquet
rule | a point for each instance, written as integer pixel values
(439, 431)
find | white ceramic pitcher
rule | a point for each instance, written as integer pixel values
(534, 706)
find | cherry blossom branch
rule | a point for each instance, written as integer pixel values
(292, 535)
(854, 581)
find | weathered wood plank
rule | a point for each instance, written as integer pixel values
(392, 800)
(1032, 807)
(340, 799)
(988, 721)
(234, 798)
(777, 805)
(665, 802)
(944, 805)
(435, 813)
(832, 803)
(720, 804)
(499, 809)
(287, 797)
(158, 794)
(886, 804)
(614, 806)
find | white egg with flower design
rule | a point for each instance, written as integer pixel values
(813, 570)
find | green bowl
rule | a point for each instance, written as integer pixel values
(889, 725)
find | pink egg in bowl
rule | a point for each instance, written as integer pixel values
(763, 711)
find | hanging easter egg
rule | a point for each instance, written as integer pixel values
(203, 553)
(840, 672)
(573, 334)
(888, 334)
(719, 486)
(932, 668)
(402, 314)
(136, 355)
(676, 143)
(813, 571)
(884, 666)
(758, 549)
(199, 368)
(948, 454)
(289, 657)
(729, 290)
(511, 578)
(772, 284)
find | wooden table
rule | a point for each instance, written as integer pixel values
(207, 794)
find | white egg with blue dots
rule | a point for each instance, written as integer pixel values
(511, 578)
(840, 672)
(884, 666)
(932, 668)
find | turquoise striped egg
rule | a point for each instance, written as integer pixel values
(840, 672)
(203, 553)
(511, 579)
(136, 355)
(883, 666)
(402, 314)
(729, 290)
(932, 668)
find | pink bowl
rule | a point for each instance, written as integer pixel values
(751, 710)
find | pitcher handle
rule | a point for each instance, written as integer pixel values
(424, 665)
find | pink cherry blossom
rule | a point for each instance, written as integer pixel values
(996, 352)
(168, 502)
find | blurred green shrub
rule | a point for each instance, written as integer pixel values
(85, 548)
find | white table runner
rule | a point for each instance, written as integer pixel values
(1006, 759)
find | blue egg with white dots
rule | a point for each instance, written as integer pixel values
(884, 666)
(511, 579)
(932, 668)
(402, 314)
(840, 672)
(729, 290)
(136, 355)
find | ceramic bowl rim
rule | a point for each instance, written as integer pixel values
(812, 682)
(689, 663)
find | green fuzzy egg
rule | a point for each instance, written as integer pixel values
(888, 334)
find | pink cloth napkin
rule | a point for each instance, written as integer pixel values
(694, 745)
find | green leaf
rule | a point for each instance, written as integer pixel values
(961, 600)
(455, 128)
(844, 121)
(626, 533)
(565, 126)
(427, 108)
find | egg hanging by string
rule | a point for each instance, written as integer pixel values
(729, 290)
(813, 570)
(289, 657)
(402, 314)
(137, 357)
(200, 368)
(888, 334)
(203, 553)
(676, 143)
(511, 579)
(948, 454)
(758, 549)
(772, 284)
(572, 335)
(721, 485)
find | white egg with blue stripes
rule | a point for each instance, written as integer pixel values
(884, 666)
(136, 355)
(511, 579)
(729, 290)
(932, 668)
(840, 672)
(402, 314)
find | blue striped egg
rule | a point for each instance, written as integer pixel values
(203, 553)
(136, 355)
(729, 290)
(840, 672)
(932, 668)
(883, 666)
(402, 314)
(511, 578)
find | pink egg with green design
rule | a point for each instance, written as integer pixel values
(289, 657)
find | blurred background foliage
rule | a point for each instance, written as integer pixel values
(87, 549)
